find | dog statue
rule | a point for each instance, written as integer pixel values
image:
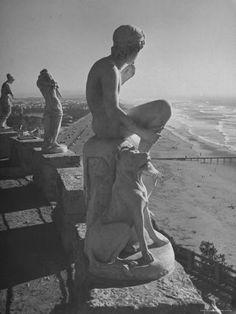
(126, 219)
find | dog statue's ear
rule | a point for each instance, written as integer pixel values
(127, 147)
(124, 148)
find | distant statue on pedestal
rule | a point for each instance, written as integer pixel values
(118, 218)
(6, 102)
(52, 113)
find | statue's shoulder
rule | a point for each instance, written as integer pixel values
(105, 65)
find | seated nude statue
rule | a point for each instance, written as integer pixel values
(52, 113)
(102, 91)
(127, 219)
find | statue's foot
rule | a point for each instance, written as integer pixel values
(126, 262)
(57, 144)
(55, 149)
(5, 127)
(152, 171)
(159, 239)
(129, 250)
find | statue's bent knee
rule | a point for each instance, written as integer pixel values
(165, 109)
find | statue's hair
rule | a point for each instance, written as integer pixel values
(122, 52)
(127, 39)
(10, 77)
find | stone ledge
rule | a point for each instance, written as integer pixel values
(70, 209)
(5, 142)
(22, 152)
(45, 175)
(174, 294)
(59, 160)
(70, 185)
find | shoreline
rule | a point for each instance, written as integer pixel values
(195, 201)
(201, 147)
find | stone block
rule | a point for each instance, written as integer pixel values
(99, 163)
(71, 196)
(173, 294)
(66, 226)
(45, 175)
(70, 209)
(5, 142)
(22, 152)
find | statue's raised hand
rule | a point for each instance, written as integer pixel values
(147, 257)
(127, 73)
(149, 136)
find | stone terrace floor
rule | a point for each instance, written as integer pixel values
(33, 278)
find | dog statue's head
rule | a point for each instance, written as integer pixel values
(130, 159)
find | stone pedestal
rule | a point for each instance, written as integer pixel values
(70, 208)
(173, 294)
(5, 142)
(22, 152)
(99, 160)
(45, 175)
(115, 197)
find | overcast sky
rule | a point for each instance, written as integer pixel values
(190, 44)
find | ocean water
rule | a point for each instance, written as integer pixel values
(209, 121)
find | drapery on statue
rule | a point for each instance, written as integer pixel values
(6, 101)
(52, 113)
(124, 218)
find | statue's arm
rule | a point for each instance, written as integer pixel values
(8, 90)
(110, 89)
(127, 73)
(139, 205)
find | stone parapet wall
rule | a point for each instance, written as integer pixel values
(5, 142)
(60, 178)
(70, 209)
(22, 152)
(45, 175)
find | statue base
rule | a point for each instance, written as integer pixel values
(132, 271)
(5, 128)
(60, 148)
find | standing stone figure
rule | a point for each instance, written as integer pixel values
(52, 113)
(6, 101)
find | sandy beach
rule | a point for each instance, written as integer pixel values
(195, 201)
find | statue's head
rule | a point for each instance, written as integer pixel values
(128, 40)
(45, 74)
(44, 71)
(10, 78)
(131, 161)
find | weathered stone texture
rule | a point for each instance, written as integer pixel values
(174, 294)
(45, 173)
(5, 142)
(22, 152)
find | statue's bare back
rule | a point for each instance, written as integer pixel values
(104, 125)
